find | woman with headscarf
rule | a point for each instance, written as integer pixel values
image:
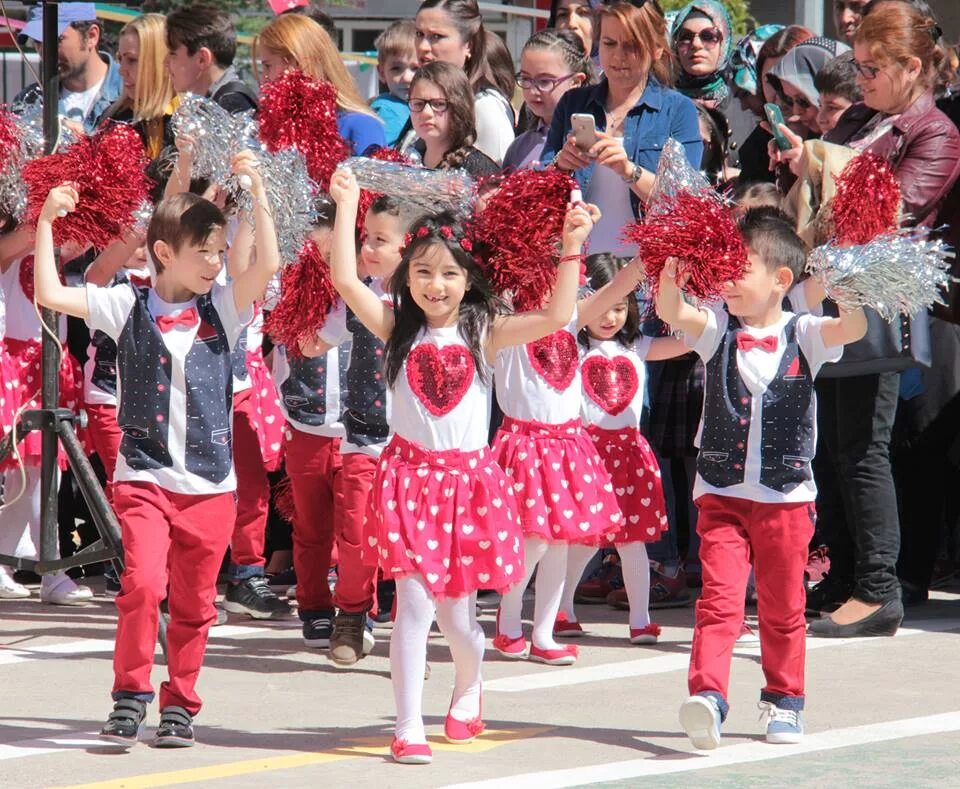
(794, 77)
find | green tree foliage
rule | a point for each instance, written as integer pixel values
(739, 10)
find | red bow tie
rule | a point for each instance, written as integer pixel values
(187, 318)
(745, 342)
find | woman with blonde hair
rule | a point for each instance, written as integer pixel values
(292, 41)
(148, 99)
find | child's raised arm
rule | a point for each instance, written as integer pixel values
(849, 327)
(49, 290)
(526, 327)
(624, 282)
(673, 310)
(370, 310)
(103, 269)
(250, 284)
(666, 348)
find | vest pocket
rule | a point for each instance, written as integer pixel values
(714, 457)
(796, 461)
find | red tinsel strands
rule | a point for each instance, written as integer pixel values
(306, 297)
(867, 201)
(10, 141)
(108, 170)
(296, 111)
(519, 230)
(382, 154)
(701, 233)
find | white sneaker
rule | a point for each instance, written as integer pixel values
(700, 718)
(60, 589)
(10, 589)
(292, 592)
(784, 727)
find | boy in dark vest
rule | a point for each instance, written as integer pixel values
(754, 485)
(174, 484)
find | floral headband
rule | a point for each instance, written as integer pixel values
(446, 232)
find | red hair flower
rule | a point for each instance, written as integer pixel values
(407, 238)
(446, 232)
(423, 231)
(466, 245)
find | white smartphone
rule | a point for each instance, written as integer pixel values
(584, 130)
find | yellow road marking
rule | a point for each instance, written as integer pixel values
(366, 746)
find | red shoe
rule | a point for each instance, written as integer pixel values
(606, 578)
(645, 635)
(818, 564)
(668, 591)
(513, 648)
(564, 656)
(406, 753)
(747, 635)
(460, 732)
(618, 599)
(564, 628)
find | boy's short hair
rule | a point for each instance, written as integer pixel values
(385, 204)
(397, 40)
(182, 219)
(203, 25)
(326, 212)
(318, 15)
(769, 235)
(839, 77)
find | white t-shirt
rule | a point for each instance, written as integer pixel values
(110, 310)
(612, 196)
(76, 105)
(529, 378)
(495, 124)
(22, 320)
(310, 388)
(614, 383)
(757, 369)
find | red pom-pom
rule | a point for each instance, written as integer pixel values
(700, 232)
(296, 111)
(283, 500)
(108, 170)
(867, 201)
(306, 297)
(520, 229)
(9, 136)
(367, 197)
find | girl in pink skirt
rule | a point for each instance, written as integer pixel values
(446, 516)
(614, 381)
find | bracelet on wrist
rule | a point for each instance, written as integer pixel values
(635, 174)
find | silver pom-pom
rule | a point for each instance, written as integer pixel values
(674, 175)
(896, 273)
(217, 136)
(428, 191)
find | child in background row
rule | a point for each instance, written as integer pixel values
(396, 64)
(446, 516)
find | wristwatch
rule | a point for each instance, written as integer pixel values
(634, 176)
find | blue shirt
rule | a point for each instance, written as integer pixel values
(360, 130)
(659, 114)
(393, 112)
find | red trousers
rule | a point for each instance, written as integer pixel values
(313, 465)
(356, 581)
(105, 436)
(777, 537)
(173, 544)
(253, 490)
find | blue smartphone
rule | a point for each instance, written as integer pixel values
(775, 118)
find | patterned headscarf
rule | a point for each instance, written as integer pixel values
(743, 61)
(709, 87)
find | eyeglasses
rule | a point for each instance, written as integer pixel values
(865, 71)
(439, 106)
(710, 37)
(540, 84)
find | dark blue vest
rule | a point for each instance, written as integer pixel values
(304, 393)
(364, 397)
(144, 408)
(104, 375)
(786, 425)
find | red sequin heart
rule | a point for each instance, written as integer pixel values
(26, 277)
(555, 358)
(440, 377)
(610, 383)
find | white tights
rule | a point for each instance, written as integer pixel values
(457, 618)
(551, 558)
(20, 520)
(636, 578)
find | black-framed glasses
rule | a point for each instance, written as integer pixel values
(541, 84)
(710, 37)
(865, 71)
(439, 106)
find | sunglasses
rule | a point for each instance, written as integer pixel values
(439, 106)
(541, 84)
(865, 71)
(710, 37)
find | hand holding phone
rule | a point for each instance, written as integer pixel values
(775, 118)
(584, 130)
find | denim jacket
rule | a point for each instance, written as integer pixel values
(659, 114)
(110, 91)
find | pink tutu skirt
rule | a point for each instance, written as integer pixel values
(563, 491)
(448, 516)
(636, 482)
(23, 390)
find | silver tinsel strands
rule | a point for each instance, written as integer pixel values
(217, 136)
(29, 121)
(674, 175)
(896, 273)
(428, 191)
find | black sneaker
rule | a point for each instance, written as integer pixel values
(317, 628)
(255, 598)
(111, 583)
(386, 591)
(352, 638)
(175, 729)
(125, 723)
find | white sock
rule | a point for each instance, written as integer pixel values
(636, 578)
(20, 519)
(457, 618)
(511, 603)
(551, 575)
(578, 557)
(408, 655)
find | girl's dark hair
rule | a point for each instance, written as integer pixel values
(601, 269)
(716, 149)
(461, 118)
(568, 45)
(477, 310)
(501, 65)
(385, 204)
(465, 17)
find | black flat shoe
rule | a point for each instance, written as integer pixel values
(175, 729)
(883, 622)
